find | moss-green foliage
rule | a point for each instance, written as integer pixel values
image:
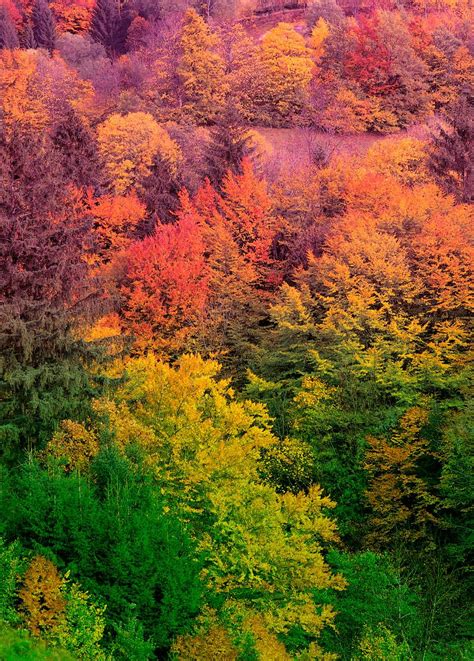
(10, 567)
(376, 596)
(18, 645)
(109, 531)
(381, 643)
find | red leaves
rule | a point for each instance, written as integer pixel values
(244, 214)
(217, 253)
(369, 63)
(165, 284)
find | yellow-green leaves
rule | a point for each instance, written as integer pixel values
(288, 67)
(128, 144)
(200, 70)
(204, 448)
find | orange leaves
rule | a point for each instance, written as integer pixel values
(34, 87)
(19, 98)
(247, 207)
(444, 259)
(400, 234)
(41, 600)
(238, 227)
(115, 219)
(208, 263)
(164, 284)
(73, 17)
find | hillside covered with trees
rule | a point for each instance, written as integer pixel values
(235, 388)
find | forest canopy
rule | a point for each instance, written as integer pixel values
(236, 292)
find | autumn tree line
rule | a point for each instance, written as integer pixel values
(235, 413)
(380, 67)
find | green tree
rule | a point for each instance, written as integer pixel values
(112, 534)
(17, 645)
(376, 596)
(11, 566)
(46, 293)
(263, 549)
(288, 69)
(43, 24)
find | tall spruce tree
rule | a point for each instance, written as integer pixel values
(27, 38)
(160, 191)
(229, 144)
(452, 149)
(44, 26)
(45, 294)
(109, 25)
(8, 31)
(77, 150)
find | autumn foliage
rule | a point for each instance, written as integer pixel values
(236, 267)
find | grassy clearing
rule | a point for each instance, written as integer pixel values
(293, 148)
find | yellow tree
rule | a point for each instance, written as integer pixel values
(345, 113)
(264, 549)
(201, 70)
(61, 612)
(319, 35)
(74, 445)
(405, 159)
(35, 88)
(288, 69)
(41, 598)
(128, 144)
(245, 78)
(402, 502)
(19, 99)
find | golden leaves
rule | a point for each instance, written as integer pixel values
(74, 444)
(42, 601)
(128, 143)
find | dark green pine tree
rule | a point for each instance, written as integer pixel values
(160, 192)
(109, 26)
(8, 31)
(77, 150)
(44, 27)
(45, 294)
(229, 143)
(27, 39)
(452, 149)
(111, 530)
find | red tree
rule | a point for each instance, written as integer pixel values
(164, 285)
(369, 62)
